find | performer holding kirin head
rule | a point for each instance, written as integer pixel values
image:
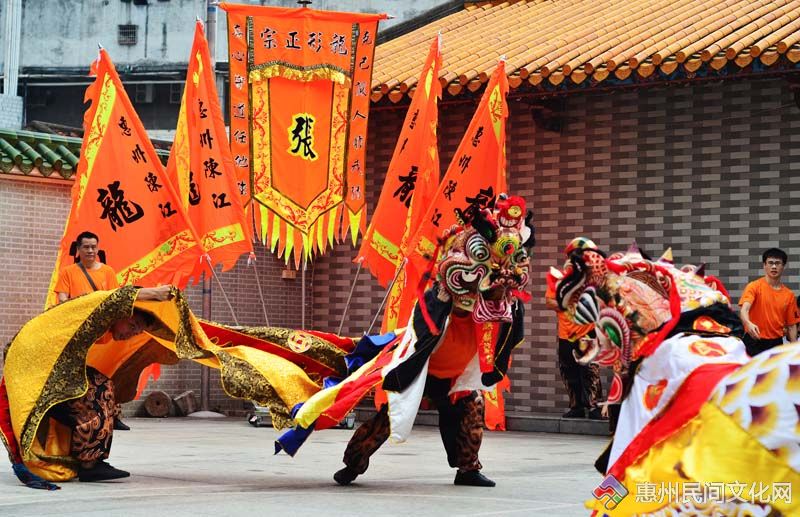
(458, 343)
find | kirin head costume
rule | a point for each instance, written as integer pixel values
(695, 408)
(484, 263)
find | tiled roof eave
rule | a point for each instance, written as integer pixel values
(581, 44)
(658, 78)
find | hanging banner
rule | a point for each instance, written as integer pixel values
(200, 164)
(300, 80)
(122, 194)
(474, 177)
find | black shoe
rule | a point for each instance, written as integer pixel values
(102, 471)
(345, 476)
(472, 478)
(596, 414)
(576, 412)
(119, 425)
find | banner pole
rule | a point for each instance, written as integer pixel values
(349, 297)
(385, 296)
(303, 296)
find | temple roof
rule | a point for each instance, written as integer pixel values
(560, 45)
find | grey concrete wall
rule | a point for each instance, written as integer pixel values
(10, 111)
(65, 33)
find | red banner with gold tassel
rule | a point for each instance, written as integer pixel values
(294, 87)
(200, 163)
(122, 194)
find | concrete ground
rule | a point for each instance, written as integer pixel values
(220, 467)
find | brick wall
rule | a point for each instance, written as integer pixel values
(709, 169)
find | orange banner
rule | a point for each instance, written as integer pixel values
(355, 196)
(408, 190)
(474, 177)
(298, 79)
(201, 165)
(412, 176)
(122, 194)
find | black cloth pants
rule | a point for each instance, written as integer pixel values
(582, 382)
(756, 346)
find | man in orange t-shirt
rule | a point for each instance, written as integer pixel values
(86, 276)
(769, 308)
(74, 279)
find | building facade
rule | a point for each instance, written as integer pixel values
(149, 42)
(711, 170)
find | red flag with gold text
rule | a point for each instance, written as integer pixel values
(122, 194)
(476, 174)
(200, 164)
(300, 85)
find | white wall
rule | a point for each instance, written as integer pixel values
(65, 33)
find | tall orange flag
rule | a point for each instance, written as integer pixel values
(408, 190)
(412, 176)
(201, 164)
(474, 177)
(122, 194)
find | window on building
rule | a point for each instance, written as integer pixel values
(143, 93)
(126, 34)
(175, 93)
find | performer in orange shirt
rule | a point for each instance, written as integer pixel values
(86, 275)
(582, 381)
(769, 308)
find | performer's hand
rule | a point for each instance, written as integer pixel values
(160, 293)
(752, 329)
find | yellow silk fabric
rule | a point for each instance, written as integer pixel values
(710, 448)
(47, 359)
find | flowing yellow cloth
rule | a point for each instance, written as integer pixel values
(46, 365)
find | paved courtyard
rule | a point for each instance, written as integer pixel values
(226, 467)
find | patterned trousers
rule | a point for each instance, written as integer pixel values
(91, 418)
(460, 426)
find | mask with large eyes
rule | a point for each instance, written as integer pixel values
(626, 298)
(485, 265)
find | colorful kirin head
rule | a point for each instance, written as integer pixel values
(484, 263)
(632, 302)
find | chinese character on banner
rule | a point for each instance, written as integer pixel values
(471, 182)
(119, 193)
(408, 189)
(202, 165)
(300, 79)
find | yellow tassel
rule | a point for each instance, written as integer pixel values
(264, 223)
(355, 221)
(333, 215)
(276, 232)
(321, 234)
(287, 251)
